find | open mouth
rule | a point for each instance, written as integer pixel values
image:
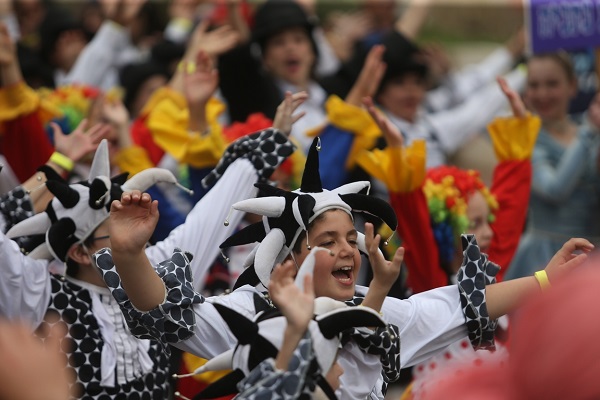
(344, 275)
(292, 64)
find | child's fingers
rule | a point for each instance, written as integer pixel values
(398, 257)
(116, 206)
(296, 117)
(308, 285)
(83, 125)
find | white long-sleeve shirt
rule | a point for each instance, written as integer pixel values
(446, 131)
(25, 285)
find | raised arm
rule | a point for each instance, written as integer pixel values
(297, 305)
(235, 175)
(385, 273)
(132, 222)
(100, 55)
(505, 297)
(514, 139)
(455, 126)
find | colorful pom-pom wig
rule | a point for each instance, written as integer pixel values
(448, 190)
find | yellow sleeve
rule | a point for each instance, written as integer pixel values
(164, 93)
(17, 100)
(355, 120)
(401, 169)
(133, 159)
(168, 121)
(514, 138)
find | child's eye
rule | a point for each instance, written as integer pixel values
(327, 244)
(353, 242)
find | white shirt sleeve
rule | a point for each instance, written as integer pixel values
(97, 61)
(25, 286)
(461, 84)
(212, 335)
(327, 62)
(428, 322)
(203, 230)
(455, 126)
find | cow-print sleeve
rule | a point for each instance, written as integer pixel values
(173, 320)
(15, 206)
(476, 272)
(266, 382)
(266, 149)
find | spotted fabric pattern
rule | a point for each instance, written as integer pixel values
(383, 342)
(171, 322)
(476, 272)
(298, 382)
(266, 149)
(71, 305)
(15, 207)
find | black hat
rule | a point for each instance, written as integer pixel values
(133, 77)
(275, 16)
(57, 21)
(401, 57)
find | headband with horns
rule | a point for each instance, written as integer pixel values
(287, 214)
(78, 209)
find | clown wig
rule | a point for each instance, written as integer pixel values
(448, 190)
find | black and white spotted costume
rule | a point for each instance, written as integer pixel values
(428, 322)
(108, 360)
(267, 382)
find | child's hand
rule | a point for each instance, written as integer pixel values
(516, 103)
(297, 306)
(370, 76)
(385, 272)
(132, 221)
(285, 118)
(200, 80)
(81, 141)
(7, 47)
(392, 134)
(565, 260)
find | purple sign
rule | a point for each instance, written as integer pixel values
(563, 24)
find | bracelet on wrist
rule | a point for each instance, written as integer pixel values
(542, 278)
(62, 161)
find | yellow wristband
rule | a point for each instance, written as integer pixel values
(542, 278)
(62, 161)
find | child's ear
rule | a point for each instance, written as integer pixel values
(78, 254)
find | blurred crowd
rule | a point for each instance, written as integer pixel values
(495, 149)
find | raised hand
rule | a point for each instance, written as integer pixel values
(122, 12)
(185, 9)
(437, 61)
(200, 80)
(392, 134)
(115, 112)
(384, 272)
(214, 43)
(565, 259)
(132, 221)
(81, 141)
(369, 78)
(516, 103)
(297, 306)
(284, 117)
(7, 47)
